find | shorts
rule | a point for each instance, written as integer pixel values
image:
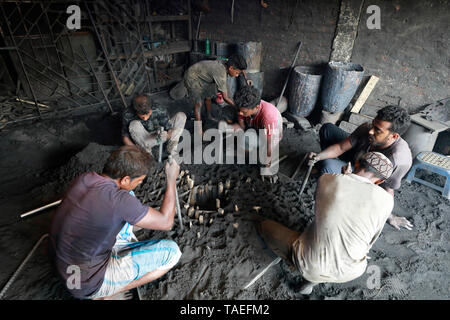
(199, 90)
(132, 261)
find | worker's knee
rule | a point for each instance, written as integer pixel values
(135, 127)
(180, 117)
(326, 131)
(331, 166)
(174, 254)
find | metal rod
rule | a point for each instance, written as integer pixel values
(299, 166)
(311, 165)
(290, 70)
(259, 275)
(105, 54)
(96, 78)
(278, 161)
(26, 214)
(19, 269)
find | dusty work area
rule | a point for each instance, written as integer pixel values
(224, 253)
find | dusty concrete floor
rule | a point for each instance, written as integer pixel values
(413, 264)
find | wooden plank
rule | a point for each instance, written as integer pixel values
(365, 94)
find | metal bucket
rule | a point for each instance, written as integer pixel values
(234, 84)
(251, 51)
(340, 82)
(420, 139)
(304, 90)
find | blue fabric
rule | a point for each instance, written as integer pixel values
(330, 134)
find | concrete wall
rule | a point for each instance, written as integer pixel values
(409, 53)
(313, 23)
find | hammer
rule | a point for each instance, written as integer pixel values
(178, 209)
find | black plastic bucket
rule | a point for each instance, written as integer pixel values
(304, 90)
(340, 82)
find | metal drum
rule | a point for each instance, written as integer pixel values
(304, 90)
(340, 82)
(251, 51)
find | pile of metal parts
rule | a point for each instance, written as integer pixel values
(113, 55)
(200, 204)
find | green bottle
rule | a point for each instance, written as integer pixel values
(207, 47)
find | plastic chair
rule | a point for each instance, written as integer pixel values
(436, 163)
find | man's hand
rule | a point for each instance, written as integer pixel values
(163, 136)
(314, 157)
(347, 169)
(172, 171)
(398, 222)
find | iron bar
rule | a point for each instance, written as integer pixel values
(21, 61)
(95, 75)
(106, 54)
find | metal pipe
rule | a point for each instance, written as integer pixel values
(105, 54)
(96, 78)
(19, 269)
(259, 275)
(23, 215)
(299, 166)
(290, 70)
(311, 165)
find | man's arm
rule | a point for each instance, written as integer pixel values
(163, 219)
(332, 151)
(249, 81)
(227, 99)
(127, 141)
(396, 221)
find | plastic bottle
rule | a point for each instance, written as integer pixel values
(207, 47)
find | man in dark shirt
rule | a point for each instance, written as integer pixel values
(382, 135)
(142, 123)
(86, 237)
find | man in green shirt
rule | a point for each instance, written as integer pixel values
(205, 78)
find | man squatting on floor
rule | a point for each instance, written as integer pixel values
(382, 135)
(91, 229)
(205, 78)
(350, 212)
(141, 124)
(257, 114)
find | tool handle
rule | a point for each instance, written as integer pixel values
(290, 70)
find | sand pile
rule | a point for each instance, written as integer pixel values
(220, 258)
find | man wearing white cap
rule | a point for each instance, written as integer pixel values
(350, 212)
